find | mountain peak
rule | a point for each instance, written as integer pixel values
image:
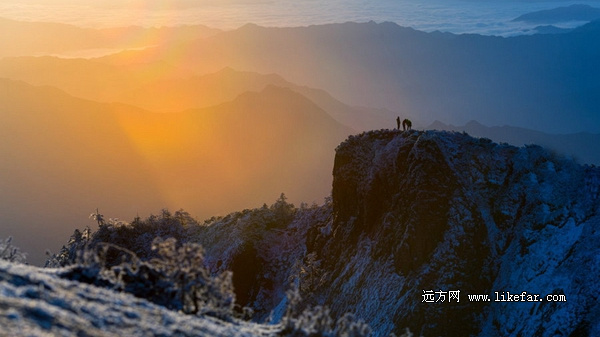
(274, 97)
(474, 124)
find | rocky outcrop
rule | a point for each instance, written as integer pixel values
(418, 211)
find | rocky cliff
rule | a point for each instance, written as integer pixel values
(415, 213)
(419, 211)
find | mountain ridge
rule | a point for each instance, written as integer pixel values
(40, 37)
(159, 87)
(523, 80)
(575, 12)
(574, 145)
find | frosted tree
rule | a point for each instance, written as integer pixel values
(11, 253)
(97, 217)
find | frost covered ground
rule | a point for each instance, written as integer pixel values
(36, 302)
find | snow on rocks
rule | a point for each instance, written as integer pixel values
(35, 302)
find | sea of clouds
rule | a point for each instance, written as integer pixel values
(456, 16)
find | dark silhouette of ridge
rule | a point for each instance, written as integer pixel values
(575, 12)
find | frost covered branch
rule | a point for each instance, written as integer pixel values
(11, 253)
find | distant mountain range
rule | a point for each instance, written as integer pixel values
(157, 86)
(576, 145)
(546, 82)
(550, 29)
(562, 14)
(23, 38)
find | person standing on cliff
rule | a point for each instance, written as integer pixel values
(398, 122)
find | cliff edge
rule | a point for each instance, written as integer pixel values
(421, 212)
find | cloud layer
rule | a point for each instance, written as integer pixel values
(480, 17)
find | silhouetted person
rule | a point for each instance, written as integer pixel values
(398, 122)
(406, 124)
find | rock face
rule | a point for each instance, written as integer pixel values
(419, 211)
(414, 212)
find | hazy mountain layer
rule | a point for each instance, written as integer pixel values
(42, 38)
(544, 82)
(562, 14)
(66, 156)
(61, 156)
(90, 79)
(164, 87)
(576, 145)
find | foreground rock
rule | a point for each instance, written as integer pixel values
(35, 302)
